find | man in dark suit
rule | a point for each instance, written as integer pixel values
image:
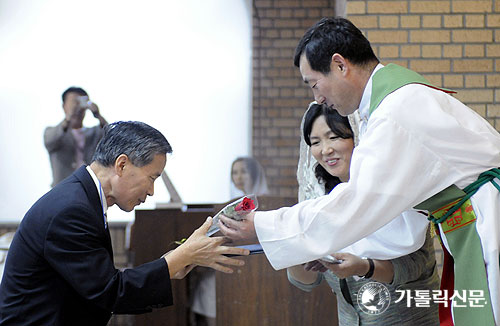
(59, 269)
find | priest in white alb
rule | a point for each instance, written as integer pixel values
(419, 148)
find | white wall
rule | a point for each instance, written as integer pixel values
(183, 67)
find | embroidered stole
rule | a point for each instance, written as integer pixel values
(464, 269)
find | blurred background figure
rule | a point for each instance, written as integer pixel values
(69, 144)
(247, 177)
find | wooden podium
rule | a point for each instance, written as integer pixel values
(254, 295)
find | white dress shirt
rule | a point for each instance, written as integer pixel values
(102, 196)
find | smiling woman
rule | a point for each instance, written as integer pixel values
(329, 138)
(332, 151)
(331, 143)
(174, 52)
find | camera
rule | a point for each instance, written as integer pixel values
(84, 101)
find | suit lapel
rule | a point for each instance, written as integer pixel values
(90, 189)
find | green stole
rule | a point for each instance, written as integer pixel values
(460, 227)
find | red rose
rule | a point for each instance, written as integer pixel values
(245, 205)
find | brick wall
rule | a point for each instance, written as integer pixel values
(452, 43)
(279, 95)
(455, 44)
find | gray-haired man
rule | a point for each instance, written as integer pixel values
(60, 271)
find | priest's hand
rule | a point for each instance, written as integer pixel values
(238, 230)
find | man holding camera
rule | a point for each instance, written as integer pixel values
(69, 144)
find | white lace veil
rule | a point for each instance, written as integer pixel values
(403, 235)
(258, 184)
(309, 187)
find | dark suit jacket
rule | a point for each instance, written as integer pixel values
(60, 271)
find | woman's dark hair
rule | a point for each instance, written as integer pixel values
(333, 35)
(338, 124)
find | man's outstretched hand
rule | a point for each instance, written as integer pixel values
(203, 251)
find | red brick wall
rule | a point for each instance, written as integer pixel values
(455, 44)
(279, 95)
(452, 43)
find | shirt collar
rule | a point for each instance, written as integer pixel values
(364, 105)
(100, 191)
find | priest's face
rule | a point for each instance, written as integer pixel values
(332, 152)
(332, 89)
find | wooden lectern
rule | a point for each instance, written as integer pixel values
(254, 295)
